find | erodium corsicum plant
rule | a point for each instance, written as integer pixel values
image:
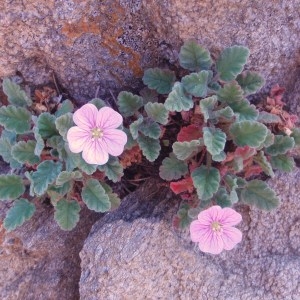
(218, 147)
(43, 142)
(213, 147)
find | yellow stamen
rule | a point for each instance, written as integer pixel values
(97, 133)
(216, 226)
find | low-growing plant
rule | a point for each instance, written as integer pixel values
(216, 148)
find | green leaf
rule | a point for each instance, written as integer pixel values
(207, 105)
(46, 125)
(269, 140)
(296, 135)
(231, 62)
(67, 214)
(95, 197)
(65, 176)
(23, 152)
(248, 133)
(63, 124)
(134, 127)
(226, 113)
(39, 146)
(15, 119)
(56, 193)
(64, 108)
(46, 173)
(244, 111)
(206, 181)
(196, 83)
(193, 57)
(14, 94)
(267, 118)
(219, 157)
(130, 141)
(5, 152)
(184, 150)
(231, 93)
(56, 142)
(113, 197)
(21, 211)
(11, 187)
(149, 95)
(159, 80)
(282, 144)
(262, 161)
(283, 163)
(129, 104)
(9, 135)
(172, 168)
(214, 140)
(150, 128)
(157, 112)
(150, 147)
(178, 100)
(222, 198)
(99, 103)
(258, 193)
(112, 169)
(250, 82)
(183, 216)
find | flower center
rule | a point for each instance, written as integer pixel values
(97, 133)
(216, 227)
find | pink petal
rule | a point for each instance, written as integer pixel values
(210, 215)
(113, 141)
(85, 117)
(231, 236)
(211, 242)
(107, 118)
(229, 217)
(77, 138)
(94, 154)
(197, 229)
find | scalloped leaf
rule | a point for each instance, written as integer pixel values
(207, 105)
(251, 82)
(193, 57)
(231, 93)
(226, 113)
(113, 197)
(282, 144)
(46, 125)
(206, 181)
(56, 142)
(219, 157)
(5, 152)
(268, 118)
(150, 128)
(244, 111)
(11, 187)
(269, 140)
(159, 80)
(258, 193)
(222, 198)
(39, 146)
(46, 173)
(23, 152)
(95, 197)
(263, 162)
(63, 124)
(99, 103)
(129, 103)
(172, 168)
(112, 169)
(64, 108)
(130, 140)
(214, 140)
(56, 193)
(134, 127)
(66, 176)
(15, 119)
(196, 83)
(231, 62)
(149, 95)
(178, 100)
(15, 95)
(189, 133)
(67, 214)
(184, 150)
(21, 211)
(150, 147)
(296, 135)
(283, 163)
(248, 133)
(157, 112)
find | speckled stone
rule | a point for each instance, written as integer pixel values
(139, 256)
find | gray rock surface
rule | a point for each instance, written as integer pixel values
(107, 44)
(39, 261)
(134, 255)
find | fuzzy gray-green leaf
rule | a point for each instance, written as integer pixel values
(283, 163)
(172, 168)
(214, 140)
(46, 125)
(11, 187)
(63, 124)
(282, 144)
(23, 152)
(150, 147)
(250, 82)
(112, 169)
(184, 150)
(129, 103)
(157, 112)
(196, 83)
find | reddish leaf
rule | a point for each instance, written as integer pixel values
(244, 152)
(131, 156)
(277, 94)
(184, 185)
(189, 133)
(253, 170)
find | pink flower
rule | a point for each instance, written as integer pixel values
(213, 230)
(96, 134)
